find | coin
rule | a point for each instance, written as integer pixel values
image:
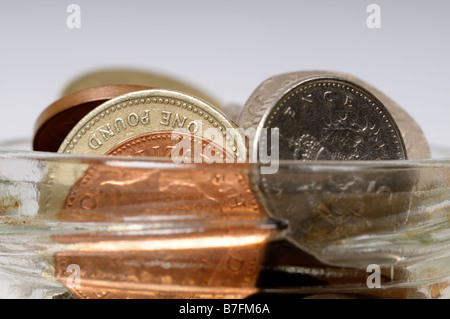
(329, 119)
(135, 77)
(207, 202)
(332, 117)
(163, 144)
(293, 272)
(56, 121)
(137, 113)
(87, 192)
(271, 93)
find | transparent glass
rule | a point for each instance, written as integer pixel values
(117, 227)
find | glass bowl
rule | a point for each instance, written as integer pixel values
(120, 227)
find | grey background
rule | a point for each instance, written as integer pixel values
(226, 48)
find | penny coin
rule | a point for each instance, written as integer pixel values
(135, 77)
(208, 203)
(332, 97)
(56, 121)
(146, 111)
(163, 144)
(87, 191)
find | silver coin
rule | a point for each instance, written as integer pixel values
(343, 123)
(330, 119)
(329, 116)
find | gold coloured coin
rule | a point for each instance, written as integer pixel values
(135, 77)
(146, 111)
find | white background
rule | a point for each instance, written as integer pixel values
(226, 48)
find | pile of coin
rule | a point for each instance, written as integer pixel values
(316, 115)
(320, 115)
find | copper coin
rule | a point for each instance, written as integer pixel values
(57, 120)
(213, 248)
